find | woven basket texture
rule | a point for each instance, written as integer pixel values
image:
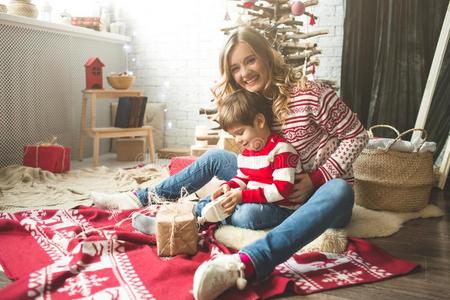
(120, 82)
(393, 180)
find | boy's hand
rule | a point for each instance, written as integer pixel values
(220, 191)
(233, 197)
(303, 188)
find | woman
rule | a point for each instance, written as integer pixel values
(311, 117)
(327, 136)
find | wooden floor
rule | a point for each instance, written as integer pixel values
(425, 241)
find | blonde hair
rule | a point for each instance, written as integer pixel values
(241, 108)
(281, 76)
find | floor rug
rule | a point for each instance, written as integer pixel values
(365, 223)
(75, 253)
(25, 188)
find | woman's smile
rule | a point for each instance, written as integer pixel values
(247, 68)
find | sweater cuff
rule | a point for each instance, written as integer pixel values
(317, 178)
(232, 184)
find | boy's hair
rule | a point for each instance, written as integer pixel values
(241, 108)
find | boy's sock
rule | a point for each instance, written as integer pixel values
(249, 270)
(143, 223)
(126, 200)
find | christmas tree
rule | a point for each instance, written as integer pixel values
(278, 21)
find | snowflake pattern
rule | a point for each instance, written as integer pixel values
(34, 214)
(81, 284)
(375, 271)
(343, 277)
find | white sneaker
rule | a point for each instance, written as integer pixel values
(216, 276)
(213, 212)
(126, 200)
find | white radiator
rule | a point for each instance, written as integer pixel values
(41, 78)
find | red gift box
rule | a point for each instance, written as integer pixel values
(53, 158)
(178, 163)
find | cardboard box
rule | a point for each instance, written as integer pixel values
(173, 152)
(227, 142)
(53, 158)
(199, 150)
(176, 230)
(130, 149)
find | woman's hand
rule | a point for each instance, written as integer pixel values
(233, 197)
(220, 191)
(303, 188)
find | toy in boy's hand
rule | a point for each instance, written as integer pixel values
(213, 211)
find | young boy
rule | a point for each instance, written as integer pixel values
(265, 175)
(266, 167)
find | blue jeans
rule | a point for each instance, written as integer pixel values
(220, 163)
(329, 207)
(252, 215)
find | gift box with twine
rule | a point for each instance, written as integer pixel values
(176, 230)
(49, 156)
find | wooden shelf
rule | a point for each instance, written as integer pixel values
(111, 93)
(62, 28)
(98, 133)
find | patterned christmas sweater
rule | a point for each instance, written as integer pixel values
(267, 175)
(327, 135)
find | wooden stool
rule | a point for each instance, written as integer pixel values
(98, 133)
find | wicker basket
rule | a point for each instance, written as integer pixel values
(392, 180)
(120, 82)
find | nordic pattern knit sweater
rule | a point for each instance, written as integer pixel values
(327, 135)
(267, 175)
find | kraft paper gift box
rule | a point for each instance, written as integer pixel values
(176, 230)
(130, 149)
(51, 157)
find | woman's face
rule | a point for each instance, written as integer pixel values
(247, 68)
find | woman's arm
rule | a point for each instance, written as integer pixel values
(338, 121)
(336, 118)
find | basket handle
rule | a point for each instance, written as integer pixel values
(370, 133)
(425, 136)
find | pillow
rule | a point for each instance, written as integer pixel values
(154, 116)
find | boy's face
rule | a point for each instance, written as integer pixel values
(251, 137)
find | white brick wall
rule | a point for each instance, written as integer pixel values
(176, 47)
(330, 15)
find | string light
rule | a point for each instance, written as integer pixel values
(127, 48)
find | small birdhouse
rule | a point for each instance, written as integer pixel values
(94, 73)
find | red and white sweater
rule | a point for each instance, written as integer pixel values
(267, 175)
(327, 135)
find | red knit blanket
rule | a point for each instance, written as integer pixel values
(62, 254)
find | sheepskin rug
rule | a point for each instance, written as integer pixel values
(365, 223)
